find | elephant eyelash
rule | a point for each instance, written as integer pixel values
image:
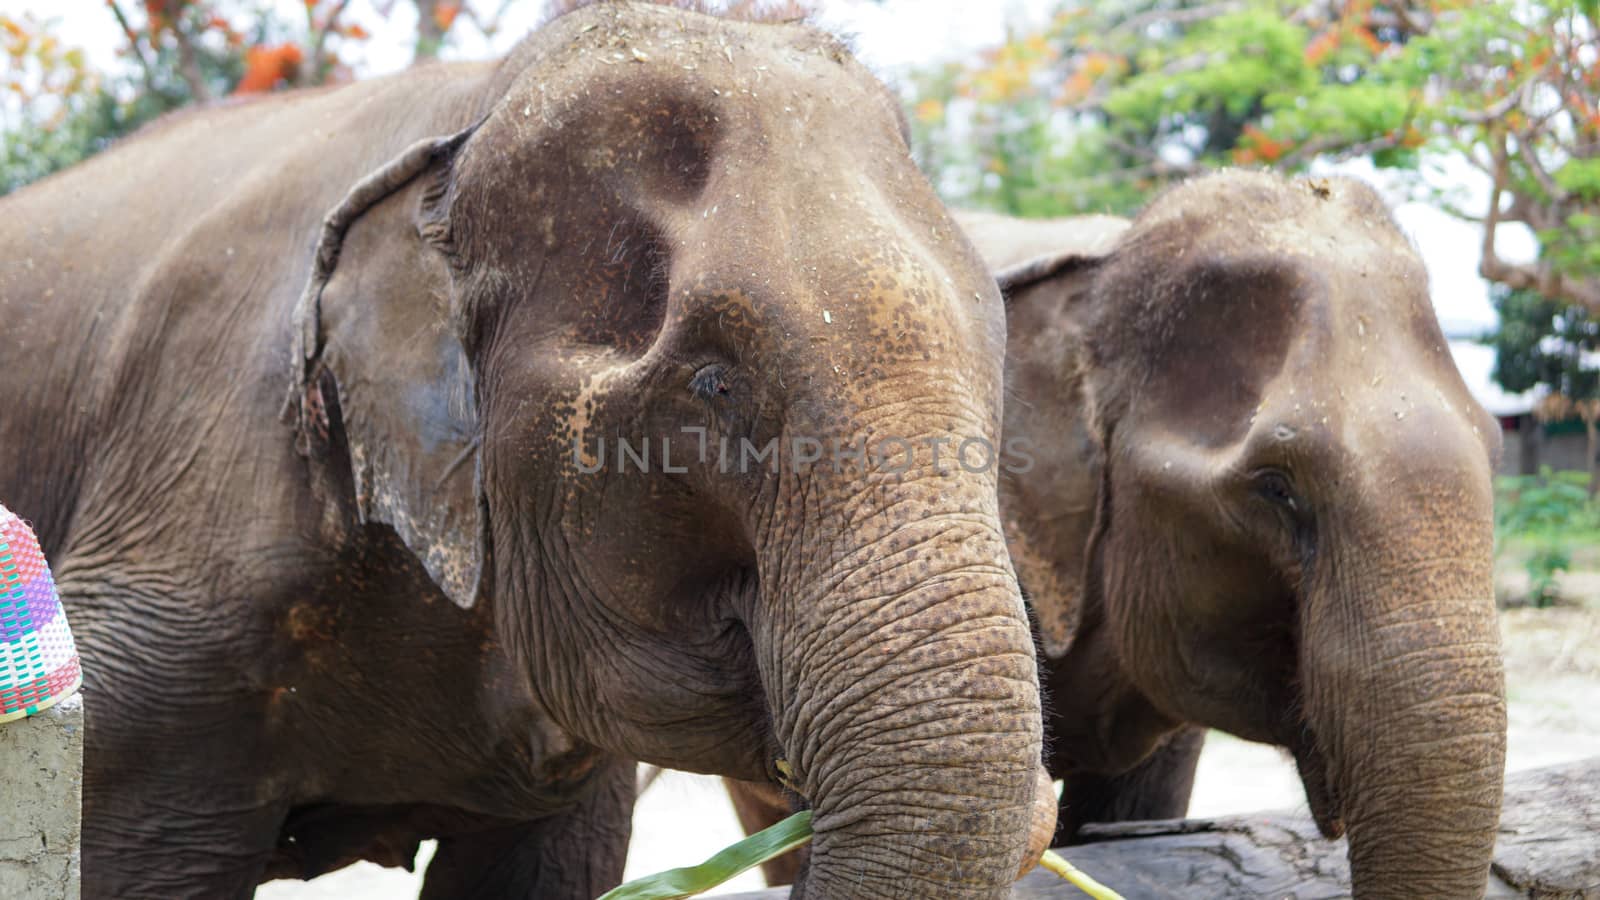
(710, 382)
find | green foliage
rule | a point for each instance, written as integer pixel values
(1111, 101)
(1580, 177)
(33, 151)
(1543, 518)
(65, 113)
(1575, 247)
(1245, 58)
(1551, 502)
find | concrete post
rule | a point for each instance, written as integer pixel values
(41, 803)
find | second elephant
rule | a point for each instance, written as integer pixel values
(1261, 503)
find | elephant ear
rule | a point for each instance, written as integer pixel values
(1022, 252)
(1046, 272)
(380, 372)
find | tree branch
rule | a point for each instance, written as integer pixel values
(430, 37)
(1536, 216)
(1535, 276)
(1311, 149)
(319, 64)
(492, 25)
(1494, 111)
(1530, 158)
(1155, 164)
(133, 44)
(188, 66)
(1542, 279)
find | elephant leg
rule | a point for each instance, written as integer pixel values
(1157, 788)
(176, 841)
(173, 807)
(577, 854)
(762, 806)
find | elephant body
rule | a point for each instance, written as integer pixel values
(304, 396)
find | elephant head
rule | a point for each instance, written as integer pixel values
(1262, 504)
(651, 358)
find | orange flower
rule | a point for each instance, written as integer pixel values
(1262, 146)
(156, 12)
(930, 111)
(1076, 88)
(1097, 64)
(445, 14)
(265, 67)
(1366, 36)
(1322, 45)
(356, 32)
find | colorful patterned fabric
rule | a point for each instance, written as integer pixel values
(38, 662)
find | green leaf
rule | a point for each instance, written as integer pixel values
(747, 854)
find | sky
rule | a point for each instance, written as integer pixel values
(890, 37)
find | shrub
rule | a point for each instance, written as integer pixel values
(1545, 517)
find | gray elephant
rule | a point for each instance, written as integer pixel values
(480, 558)
(1261, 503)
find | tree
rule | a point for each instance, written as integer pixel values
(181, 52)
(1542, 341)
(55, 113)
(1111, 101)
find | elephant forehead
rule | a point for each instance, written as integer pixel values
(788, 78)
(1220, 303)
(1208, 337)
(757, 166)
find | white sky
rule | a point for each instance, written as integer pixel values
(891, 36)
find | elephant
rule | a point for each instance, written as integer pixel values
(1261, 502)
(367, 431)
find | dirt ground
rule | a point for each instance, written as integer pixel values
(1553, 686)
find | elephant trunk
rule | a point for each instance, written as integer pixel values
(1404, 696)
(905, 697)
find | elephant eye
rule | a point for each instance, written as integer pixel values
(710, 382)
(1275, 487)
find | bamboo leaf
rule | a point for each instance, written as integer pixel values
(747, 854)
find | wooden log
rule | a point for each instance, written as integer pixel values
(1549, 847)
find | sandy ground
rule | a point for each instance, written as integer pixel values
(1553, 684)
